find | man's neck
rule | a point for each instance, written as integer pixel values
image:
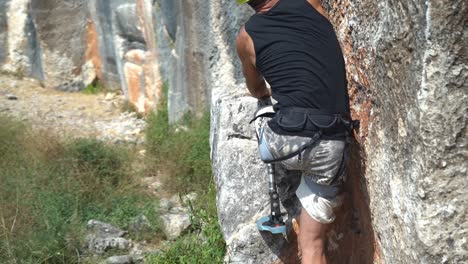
(265, 7)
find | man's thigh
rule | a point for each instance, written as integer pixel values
(323, 174)
(324, 163)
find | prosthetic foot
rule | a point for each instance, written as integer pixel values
(274, 222)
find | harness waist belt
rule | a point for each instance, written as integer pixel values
(313, 111)
(297, 120)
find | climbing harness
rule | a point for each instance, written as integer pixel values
(292, 119)
(316, 124)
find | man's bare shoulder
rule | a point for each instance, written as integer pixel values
(244, 44)
(242, 38)
(315, 3)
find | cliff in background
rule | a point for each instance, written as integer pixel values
(407, 69)
(68, 45)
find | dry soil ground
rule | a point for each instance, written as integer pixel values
(70, 114)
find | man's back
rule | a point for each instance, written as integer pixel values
(299, 55)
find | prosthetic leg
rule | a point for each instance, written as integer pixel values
(274, 222)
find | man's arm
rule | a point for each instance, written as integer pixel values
(253, 78)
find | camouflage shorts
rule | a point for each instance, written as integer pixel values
(322, 166)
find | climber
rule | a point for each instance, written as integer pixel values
(292, 46)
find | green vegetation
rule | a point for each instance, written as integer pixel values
(181, 153)
(94, 88)
(49, 190)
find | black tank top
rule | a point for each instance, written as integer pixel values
(298, 53)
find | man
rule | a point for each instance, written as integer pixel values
(292, 45)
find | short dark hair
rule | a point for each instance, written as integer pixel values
(256, 3)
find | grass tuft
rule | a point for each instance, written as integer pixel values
(94, 88)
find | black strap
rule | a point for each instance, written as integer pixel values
(313, 111)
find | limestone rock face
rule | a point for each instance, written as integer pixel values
(185, 40)
(3, 31)
(71, 44)
(60, 36)
(407, 67)
(243, 187)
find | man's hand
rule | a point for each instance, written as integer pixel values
(253, 78)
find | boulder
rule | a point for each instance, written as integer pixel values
(242, 183)
(104, 229)
(175, 223)
(140, 224)
(119, 260)
(176, 216)
(103, 236)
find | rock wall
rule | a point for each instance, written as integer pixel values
(185, 40)
(68, 45)
(61, 65)
(3, 31)
(407, 69)
(407, 187)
